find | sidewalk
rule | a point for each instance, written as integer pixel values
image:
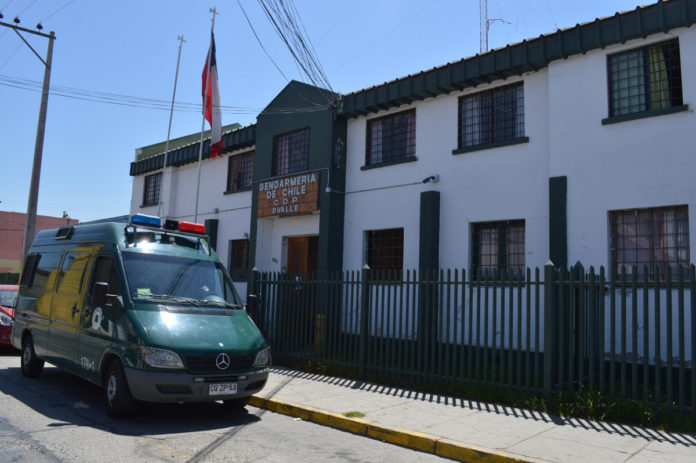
(461, 429)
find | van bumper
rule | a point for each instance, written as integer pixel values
(154, 386)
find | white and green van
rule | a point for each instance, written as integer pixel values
(145, 310)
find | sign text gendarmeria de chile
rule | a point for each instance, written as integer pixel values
(296, 194)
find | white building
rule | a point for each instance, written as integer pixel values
(573, 146)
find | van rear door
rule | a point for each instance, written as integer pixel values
(65, 313)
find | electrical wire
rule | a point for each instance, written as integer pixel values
(286, 20)
(140, 102)
(259, 41)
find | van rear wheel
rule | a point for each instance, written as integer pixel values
(118, 399)
(32, 366)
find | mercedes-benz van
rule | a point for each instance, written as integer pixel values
(144, 309)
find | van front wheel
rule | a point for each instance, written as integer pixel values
(117, 396)
(32, 366)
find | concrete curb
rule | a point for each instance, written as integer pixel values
(409, 439)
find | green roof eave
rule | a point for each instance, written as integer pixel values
(519, 58)
(234, 140)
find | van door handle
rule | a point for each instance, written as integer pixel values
(74, 310)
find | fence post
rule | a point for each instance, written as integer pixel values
(549, 327)
(252, 296)
(364, 321)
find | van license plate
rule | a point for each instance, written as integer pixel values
(222, 389)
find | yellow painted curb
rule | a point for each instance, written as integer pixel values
(471, 453)
(409, 439)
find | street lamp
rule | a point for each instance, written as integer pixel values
(30, 226)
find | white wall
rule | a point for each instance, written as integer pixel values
(641, 163)
(504, 183)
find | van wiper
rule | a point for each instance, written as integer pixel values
(219, 303)
(177, 299)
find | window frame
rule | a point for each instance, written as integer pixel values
(408, 117)
(646, 87)
(238, 272)
(379, 271)
(502, 254)
(679, 237)
(497, 130)
(298, 158)
(151, 189)
(243, 166)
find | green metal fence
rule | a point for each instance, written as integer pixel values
(541, 331)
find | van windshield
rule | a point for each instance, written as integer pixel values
(179, 280)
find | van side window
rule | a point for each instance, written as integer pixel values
(29, 269)
(72, 271)
(105, 271)
(40, 271)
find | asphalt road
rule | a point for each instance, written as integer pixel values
(60, 418)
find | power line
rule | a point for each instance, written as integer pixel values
(287, 22)
(139, 102)
(259, 41)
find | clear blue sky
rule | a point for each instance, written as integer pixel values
(129, 48)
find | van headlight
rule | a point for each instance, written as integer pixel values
(161, 358)
(263, 358)
(5, 320)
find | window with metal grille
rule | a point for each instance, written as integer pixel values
(391, 138)
(240, 171)
(291, 152)
(384, 251)
(151, 195)
(645, 79)
(239, 259)
(656, 237)
(498, 246)
(492, 116)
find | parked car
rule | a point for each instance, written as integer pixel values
(8, 302)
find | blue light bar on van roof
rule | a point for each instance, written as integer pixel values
(142, 219)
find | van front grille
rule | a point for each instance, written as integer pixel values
(207, 363)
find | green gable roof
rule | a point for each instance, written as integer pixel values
(516, 59)
(241, 137)
(158, 148)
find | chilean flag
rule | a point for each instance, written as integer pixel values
(211, 100)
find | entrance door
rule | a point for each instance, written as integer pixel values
(300, 300)
(302, 255)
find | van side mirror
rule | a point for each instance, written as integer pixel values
(99, 293)
(252, 305)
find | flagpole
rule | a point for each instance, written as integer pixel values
(205, 105)
(169, 130)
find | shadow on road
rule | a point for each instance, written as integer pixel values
(71, 401)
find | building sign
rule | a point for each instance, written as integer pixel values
(296, 194)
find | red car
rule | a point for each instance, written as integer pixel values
(8, 302)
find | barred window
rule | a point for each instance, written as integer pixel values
(384, 251)
(391, 138)
(240, 171)
(645, 79)
(498, 246)
(656, 237)
(291, 152)
(492, 116)
(151, 195)
(239, 259)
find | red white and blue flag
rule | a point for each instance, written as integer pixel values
(211, 100)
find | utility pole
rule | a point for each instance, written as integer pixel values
(30, 227)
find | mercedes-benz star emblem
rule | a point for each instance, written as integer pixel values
(222, 361)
